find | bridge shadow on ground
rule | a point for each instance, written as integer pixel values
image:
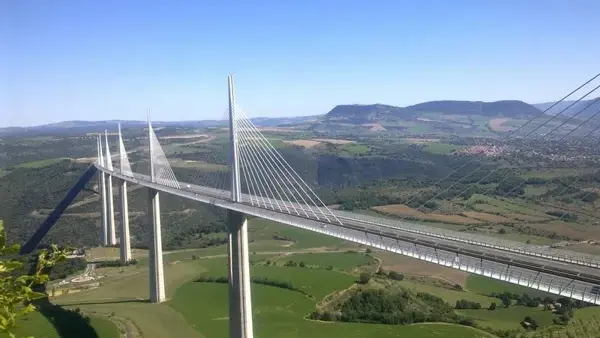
(141, 301)
(68, 323)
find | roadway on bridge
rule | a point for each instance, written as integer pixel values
(578, 281)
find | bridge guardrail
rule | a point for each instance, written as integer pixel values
(569, 283)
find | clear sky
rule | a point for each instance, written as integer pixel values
(90, 60)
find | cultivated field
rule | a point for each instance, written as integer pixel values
(498, 125)
(199, 309)
(403, 210)
(315, 142)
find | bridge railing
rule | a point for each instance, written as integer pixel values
(583, 286)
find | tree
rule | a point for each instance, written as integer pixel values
(506, 300)
(365, 277)
(302, 264)
(16, 291)
(492, 306)
(396, 276)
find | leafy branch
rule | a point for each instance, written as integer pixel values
(16, 291)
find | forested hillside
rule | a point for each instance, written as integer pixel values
(355, 113)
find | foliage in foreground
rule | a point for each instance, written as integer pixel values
(16, 290)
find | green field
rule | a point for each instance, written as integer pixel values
(279, 313)
(508, 318)
(496, 205)
(316, 282)
(339, 260)
(484, 286)
(557, 172)
(41, 163)
(261, 229)
(353, 149)
(200, 309)
(440, 148)
(449, 296)
(126, 295)
(38, 326)
(532, 190)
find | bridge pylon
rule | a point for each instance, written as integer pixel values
(112, 237)
(240, 297)
(102, 190)
(156, 271)
(125, 168)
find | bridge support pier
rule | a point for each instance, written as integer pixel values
(125, 239)
(112, 236)
(104, 216)
(240, 296)
(156, 272)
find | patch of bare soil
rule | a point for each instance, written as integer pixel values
(403, 210)
(333, 141)
(569, 229)
(184, 136)
(484, 216)
(498, 124)
(374, 126)
(85, 160)
(416, 267)
(304, 143)
(421, 140)
(283, 129)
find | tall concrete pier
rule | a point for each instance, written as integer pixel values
(102, 190)
(157, 278)
(240, 296)
(112, 236)
(125, 242)
(125, 168)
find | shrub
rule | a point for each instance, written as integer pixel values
(465, 304)
(396, 276)
(365, 277)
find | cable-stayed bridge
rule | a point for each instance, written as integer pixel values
(261, 183)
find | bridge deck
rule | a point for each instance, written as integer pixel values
(562, 278)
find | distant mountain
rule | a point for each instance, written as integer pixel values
(378, 112)
(506, 108)
(583, 108)
(98, 126)
(364, 113)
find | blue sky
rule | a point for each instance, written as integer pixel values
(89, 60)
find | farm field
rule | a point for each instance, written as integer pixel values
(403, 210)
(339, 260)
(508, 318)
(484, 285)
(278, 312)
(199, 309)
(42, 163)
(38, 326)
(330, 268)
(440, 148)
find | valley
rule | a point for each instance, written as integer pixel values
(538, 189)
